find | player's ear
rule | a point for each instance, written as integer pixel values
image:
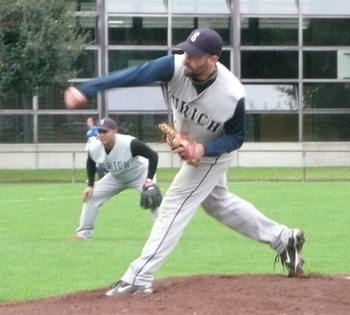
(213, 60)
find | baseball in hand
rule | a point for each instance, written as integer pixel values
(74, 99)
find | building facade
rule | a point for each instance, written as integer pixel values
(293, 57)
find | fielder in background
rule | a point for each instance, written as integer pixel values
(130, 164)
(91, 135)
(208, 107)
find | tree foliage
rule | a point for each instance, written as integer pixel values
(39, 42)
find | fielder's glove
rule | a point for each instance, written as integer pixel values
(151, 197)
(175, 139)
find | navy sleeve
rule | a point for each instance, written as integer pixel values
(234, 134)
(90, 170)
(161, 69)
(139, 148)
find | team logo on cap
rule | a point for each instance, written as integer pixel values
(194, 36)
(102, 122)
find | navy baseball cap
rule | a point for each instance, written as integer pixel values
(202, 41)
(107, 124)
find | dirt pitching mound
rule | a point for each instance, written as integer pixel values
(199, 295)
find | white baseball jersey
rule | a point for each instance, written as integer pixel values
(194, 114)
(90, 140)
(119, 162)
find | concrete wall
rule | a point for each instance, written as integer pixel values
(67, 156)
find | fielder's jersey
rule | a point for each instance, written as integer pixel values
(91, 135)
(119, 162)
(202, 116)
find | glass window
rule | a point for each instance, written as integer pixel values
(269, 64)
(145, 98)
(325, 7)
(144, 127)
(271, 127)
(15, 100)
(220, 24)
(136, 6)
(326, 95)
(225, 59)
(62, 128)
(320, 64)
(86, 5)
(88, 24)
(343, 64)
(86, 64)
(183, 26)
(51, 97)
(120, 59)
(326, 127)
(16, 128)
(269, 31)
(271, 97)
(269, 6)
(137, 31)
(200, 6)
(326, 32)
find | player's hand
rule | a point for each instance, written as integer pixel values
(87, 193)
(197, 154)
(74, 99)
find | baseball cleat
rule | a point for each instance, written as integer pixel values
(291, 257)
(122, 288)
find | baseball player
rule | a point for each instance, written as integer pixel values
(91, 135)
(208, 107)
(130, 164)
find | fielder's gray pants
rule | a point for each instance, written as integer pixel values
(104, 189)
(206, 186)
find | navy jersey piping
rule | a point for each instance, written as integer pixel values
(166, 233)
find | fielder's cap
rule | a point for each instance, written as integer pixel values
(202, 41)
(107, 124)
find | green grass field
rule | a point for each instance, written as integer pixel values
(167, 174)
(38, 257)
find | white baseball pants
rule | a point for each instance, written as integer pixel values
(193, 186)
(105, 189)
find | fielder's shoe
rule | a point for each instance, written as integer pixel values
(78, 238)
(122, 288)
(291, 256)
